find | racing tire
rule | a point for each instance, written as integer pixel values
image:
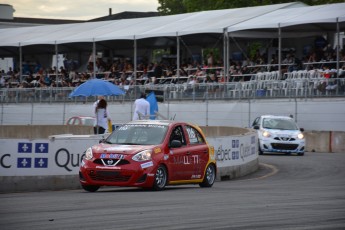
(160, 179)
(210, 176)
(90, 188)
(260, 151)
(300, 154)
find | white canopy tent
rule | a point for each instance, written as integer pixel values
(297, 22)
(250, 21)
(181, 24)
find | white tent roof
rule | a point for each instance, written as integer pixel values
(240, 19)
(182, 24)
(296, 16)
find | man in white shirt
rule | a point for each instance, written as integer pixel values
(141, 108)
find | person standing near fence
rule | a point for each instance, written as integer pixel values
(102, 117)
(141, 108)
(95, 104)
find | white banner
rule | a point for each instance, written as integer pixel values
(62, 154)
(234, 150)
(42, 157)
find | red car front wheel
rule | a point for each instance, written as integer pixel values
(161, 178)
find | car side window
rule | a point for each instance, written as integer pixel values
(194, 136)
(256, 121)
(77, 122)
(177, 134)
(70, 121)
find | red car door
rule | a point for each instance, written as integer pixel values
(180, 164)
(198, 152)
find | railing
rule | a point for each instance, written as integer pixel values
(253, 89)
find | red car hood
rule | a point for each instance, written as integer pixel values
(119, 149)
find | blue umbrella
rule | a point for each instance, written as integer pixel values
(96, 87)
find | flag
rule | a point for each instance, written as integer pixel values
(151, 98)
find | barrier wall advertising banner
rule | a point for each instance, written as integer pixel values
(62, 154)
(234, 150)
(42, 157)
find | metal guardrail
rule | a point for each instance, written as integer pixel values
(254, 89)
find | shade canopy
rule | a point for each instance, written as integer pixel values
(213, 21)
(97, 87)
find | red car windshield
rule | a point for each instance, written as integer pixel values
(138, 134)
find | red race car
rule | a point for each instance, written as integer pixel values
(150, 154)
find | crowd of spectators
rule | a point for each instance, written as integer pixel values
(121, 71)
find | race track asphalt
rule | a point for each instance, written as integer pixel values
(287, 192)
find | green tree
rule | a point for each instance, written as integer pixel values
(169, 7)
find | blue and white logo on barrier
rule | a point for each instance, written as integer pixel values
(41, 162)
(235, 143)
(41, 148)
(23, 162)
(24, 147)
(252, 140)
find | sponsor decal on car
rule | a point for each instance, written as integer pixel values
(112, 156)
(157, 150)
(196, 177)
(146, 165)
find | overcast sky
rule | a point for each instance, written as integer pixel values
(77, 9)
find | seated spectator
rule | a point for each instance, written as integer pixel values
(192, 80)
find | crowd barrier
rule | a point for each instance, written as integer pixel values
(260, 86)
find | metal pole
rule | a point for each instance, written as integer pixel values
(177, 56)
(279, 52)
(168, 109)
(225, 54)
(296, 109)
(135, 60)
(2, 113)
(20, 63)
(338, 44)
(32, 113)
(64, 112)
(206, 109)
(57, 64)
(94, 58)
(249, 113)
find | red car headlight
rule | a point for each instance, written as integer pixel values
(142, 156)
(88, 154)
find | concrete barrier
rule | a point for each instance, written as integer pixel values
(316, 141)
(235, 151)
(225, 139)
(41, 131)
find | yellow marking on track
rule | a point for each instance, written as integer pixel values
(273, 172)
(273, 168)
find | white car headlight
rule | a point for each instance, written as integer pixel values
(88, 154)
(142, 156)
(300, 136)
(266, 134)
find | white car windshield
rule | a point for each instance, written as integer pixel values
(276, 123)
(138, 134)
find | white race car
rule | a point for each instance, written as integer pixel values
(279, 134)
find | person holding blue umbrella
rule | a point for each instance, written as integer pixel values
(102, 117)
(95, 104)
